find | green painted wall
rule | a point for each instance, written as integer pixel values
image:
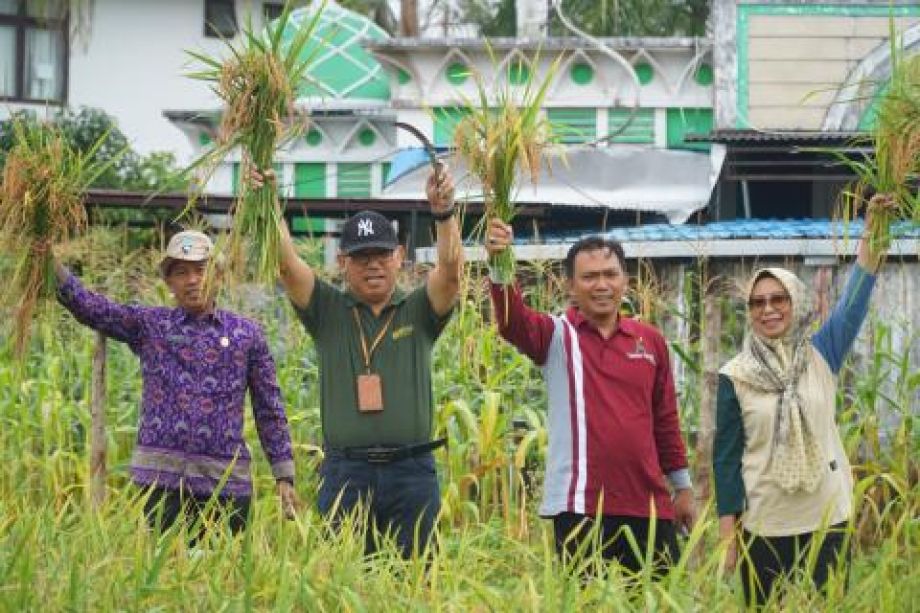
(688, 121)
(310, 180)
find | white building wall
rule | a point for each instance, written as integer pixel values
(134, 62)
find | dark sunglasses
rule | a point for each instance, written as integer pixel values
(776, 301)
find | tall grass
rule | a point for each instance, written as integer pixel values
(493, 552)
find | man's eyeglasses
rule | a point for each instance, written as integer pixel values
(364, 258)
(776, 302)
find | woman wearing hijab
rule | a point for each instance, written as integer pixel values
(780, 469)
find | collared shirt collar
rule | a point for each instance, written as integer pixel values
(180, 315)
(626, 325)
(399, 296)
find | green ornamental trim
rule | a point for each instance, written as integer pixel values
(403, 77)
(314, 137)
(457, 73)
(367, 137)
(582, 73)
(645, 72)
(703, 75)
(518, 72)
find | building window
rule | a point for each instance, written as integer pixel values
(33, 50)
(640, 129)
(573, 125)
(354, 180)
(220, 19)
(310, 180)
(682, 122)
(272, 10)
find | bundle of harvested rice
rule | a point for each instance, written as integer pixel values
(258, 84)
(41, 205)
(500, 138)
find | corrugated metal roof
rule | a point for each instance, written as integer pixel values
(781, 137)
(762, 229)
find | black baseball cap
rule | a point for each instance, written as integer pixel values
(367, 230)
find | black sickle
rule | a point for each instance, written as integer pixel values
(429, 148)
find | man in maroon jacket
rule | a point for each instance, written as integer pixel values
(614, 432)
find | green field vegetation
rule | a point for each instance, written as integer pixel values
(494, 553)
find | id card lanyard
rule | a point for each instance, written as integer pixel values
(369, 384)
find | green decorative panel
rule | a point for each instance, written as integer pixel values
(403, 76)
(308, 225)
(703, 75)
(518, 72)
(354, 180)
(204, 139)
(445, 123)
(367, 137)
(573, 125)
(688, 121)
(457, 73)
(314, 137)
(310, 180)
(342, 68)
(645, 72)
(384, 173)
(641, 129)
(742, 33)
(582, 73)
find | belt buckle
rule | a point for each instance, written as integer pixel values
(379, 455)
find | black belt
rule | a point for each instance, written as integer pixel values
(383, 454)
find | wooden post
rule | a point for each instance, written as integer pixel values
(97, 444)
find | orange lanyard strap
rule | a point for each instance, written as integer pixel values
(368, 353)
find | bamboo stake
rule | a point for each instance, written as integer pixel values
(97, 454)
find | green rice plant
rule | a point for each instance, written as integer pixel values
(42, 189)
(257, 82)
(502, 136)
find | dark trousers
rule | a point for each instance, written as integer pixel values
(771, 557)
(400, 499)
(575, 536)
(164, 507)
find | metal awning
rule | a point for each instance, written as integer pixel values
(622, 178)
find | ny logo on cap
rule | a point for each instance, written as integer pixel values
(365, 227)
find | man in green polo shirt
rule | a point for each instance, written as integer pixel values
(374, 344)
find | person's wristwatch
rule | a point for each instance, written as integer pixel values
(445, 214)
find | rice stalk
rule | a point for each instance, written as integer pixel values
(42, 192)
(895, 167)
(501, 138)
(257, 83)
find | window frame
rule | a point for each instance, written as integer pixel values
(21, 22)
(210, 29)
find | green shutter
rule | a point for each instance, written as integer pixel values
(384, 173)
(688, 121)
(310, 180)
(354, 180)
(641, 128)
(573, 125)
(235, 181)
(445, 123)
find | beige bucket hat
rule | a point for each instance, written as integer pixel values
(189, 246)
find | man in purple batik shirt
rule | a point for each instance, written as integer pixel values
(197, 362)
